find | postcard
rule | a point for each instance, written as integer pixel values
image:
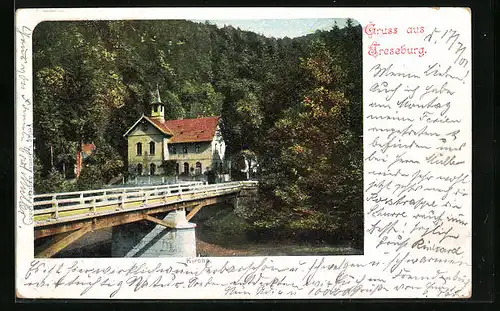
(243, 153)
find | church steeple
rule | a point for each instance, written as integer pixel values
(157, 107)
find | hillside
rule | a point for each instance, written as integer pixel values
(293, 104)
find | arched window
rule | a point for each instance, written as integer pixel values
(186, 168)
(139, 169)
(139, 149)
(177, 168)
(152, 148)
(198, 168)
(152, 169)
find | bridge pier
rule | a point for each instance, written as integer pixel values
(168, 236)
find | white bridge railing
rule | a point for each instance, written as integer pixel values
(89, 201)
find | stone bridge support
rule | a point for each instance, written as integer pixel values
(170, 235)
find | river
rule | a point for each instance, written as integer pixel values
(98, 245)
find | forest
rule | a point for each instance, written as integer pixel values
(294, 105)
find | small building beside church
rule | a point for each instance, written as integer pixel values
(193, 146)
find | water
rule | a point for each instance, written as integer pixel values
(210, 244)
(205, 249)
(218, 234)
(207, 246)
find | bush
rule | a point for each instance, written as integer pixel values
(90, 178)
(227, 227)
(168, 167)
(53, 182)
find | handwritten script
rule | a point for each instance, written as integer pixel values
(24, 109)
(418, 161)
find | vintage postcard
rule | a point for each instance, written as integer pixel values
(243, 153)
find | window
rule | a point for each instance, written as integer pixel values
(197, 148)
(198, 168)
(139, 169)
(174, 150)
(155, 108)
(220, 168)
(186, 168)
(139, 149)
(152, 169)
(152, 148)
(177, 168)
(185, 149)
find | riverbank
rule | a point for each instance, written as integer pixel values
(205, 249)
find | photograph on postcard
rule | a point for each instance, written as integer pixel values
(198, 138)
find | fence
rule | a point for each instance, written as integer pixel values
(155, 180)
(52, 205)
(164, 180)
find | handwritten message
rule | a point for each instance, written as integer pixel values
(24, 125)
(417, 187)
(418, 157)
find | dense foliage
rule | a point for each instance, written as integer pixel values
(293, 105)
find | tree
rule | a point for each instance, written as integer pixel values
(90, 178)
(293, 105)
(316, 170)
(200, 100)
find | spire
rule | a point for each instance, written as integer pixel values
(157, 108)
(155, 96)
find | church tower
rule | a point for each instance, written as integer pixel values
(157, 107)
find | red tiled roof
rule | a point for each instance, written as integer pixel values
(192, 130)
(162, 126)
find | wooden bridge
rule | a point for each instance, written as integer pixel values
(73, 214)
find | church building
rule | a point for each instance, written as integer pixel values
(195, 146)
